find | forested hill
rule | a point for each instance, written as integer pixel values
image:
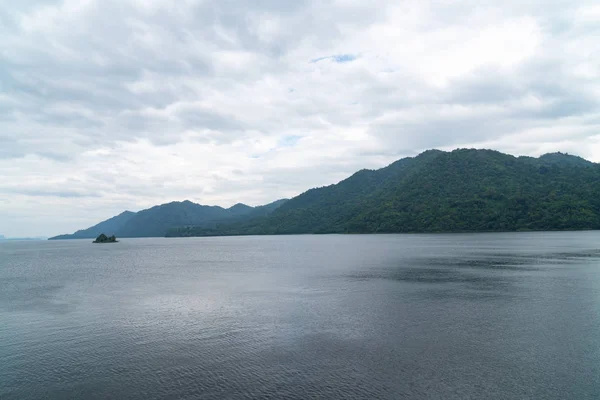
(459, 191)
(156, 221)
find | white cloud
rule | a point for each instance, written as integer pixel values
(114, 105)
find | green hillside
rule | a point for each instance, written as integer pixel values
(458, 191)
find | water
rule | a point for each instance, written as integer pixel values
(507, 316)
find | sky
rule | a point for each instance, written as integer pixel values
(112, 105)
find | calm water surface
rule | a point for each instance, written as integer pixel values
(506, 316)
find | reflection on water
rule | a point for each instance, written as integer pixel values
(390, 316)
(479, 275)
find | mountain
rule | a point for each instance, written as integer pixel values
(238, 214)
(158, 220)
(458, 191)
(465, 190)
(110, 227)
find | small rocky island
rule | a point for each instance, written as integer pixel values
(105, 239)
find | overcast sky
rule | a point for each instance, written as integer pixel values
(108, 105)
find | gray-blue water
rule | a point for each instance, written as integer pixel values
(505, 316)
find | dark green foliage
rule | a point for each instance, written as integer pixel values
(565, 160)
(105, 239)
(463, 190)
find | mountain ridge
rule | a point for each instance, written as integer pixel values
(465, 190)
(436, 191)
(110, 226)
(157, 220)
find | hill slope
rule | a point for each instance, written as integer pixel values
(158, 220)
(109, 227)
(463, 190)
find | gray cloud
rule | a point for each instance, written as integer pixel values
(50, 193)
(123, 104)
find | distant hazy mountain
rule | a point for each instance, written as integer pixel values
(158, 220)
(109, 227)
(238, 214)
(7, 239)
(462, 190)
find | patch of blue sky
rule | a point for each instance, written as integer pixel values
(289, 141)
(338, 58)
(344, 58)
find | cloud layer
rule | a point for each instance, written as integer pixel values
(122, 104)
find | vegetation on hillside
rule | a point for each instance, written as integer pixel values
(459, 191)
